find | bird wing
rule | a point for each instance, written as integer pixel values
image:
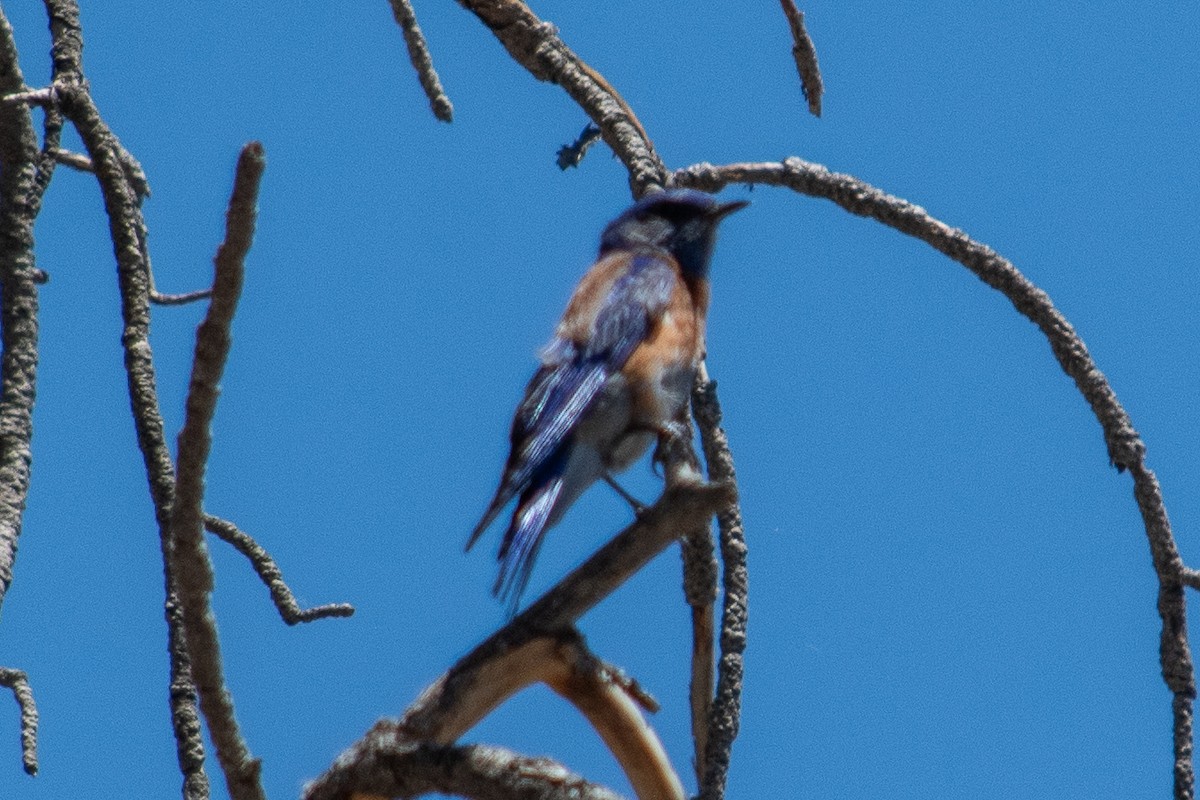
(567, 384)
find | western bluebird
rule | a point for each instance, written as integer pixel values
(617, 373)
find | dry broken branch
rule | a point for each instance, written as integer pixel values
(188, 555)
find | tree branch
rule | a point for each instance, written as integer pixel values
(189, 559)
(805, 54)
(122, 195)
(725, 715)
(18, 682)
(1125, 447)
(20, 201)
(418, 54)
(398, 768)
(270, 574)
(611, 702)
(486, 676)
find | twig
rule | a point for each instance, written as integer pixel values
(570, 155)
(160, 299)
(18, 682)
(418, 54)
(724, 718)
(805, 53)
(1125, 447)
(127, 230)
(76, 161)
(270, 574)
(535, 45)
(189, 555)
(400, 768)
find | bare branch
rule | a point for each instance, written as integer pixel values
(398, 768)
(270, 574)
(18, 682)
(127, 229)
(483, 678)
(189, 556)
(535, 45)
(418, 54)
(76, 161)
(20, 201)
(805, 53)
(700, 592)
(19, 206)
(610, 701)
(1125, 448)
(724, 718)
(160, 299)
(436, 715)
(602, 695)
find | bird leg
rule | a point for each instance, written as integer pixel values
(676, 454)
(639, 508)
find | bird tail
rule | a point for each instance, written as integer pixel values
(524, 538)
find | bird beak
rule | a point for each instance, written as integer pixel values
(725, 209)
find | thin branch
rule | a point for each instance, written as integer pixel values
(189, 554)
(571, 155)
(724, 718)
(270, 574)
(127, 230)
(18, 682)
(805, 53)
(76, 161)
(399, 768)
(535, 45)
(418, 54)
(160, 299)
(700, 592)
(1125, 448)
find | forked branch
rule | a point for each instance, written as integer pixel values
(517, 654)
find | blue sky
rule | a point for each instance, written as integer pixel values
(952, 593)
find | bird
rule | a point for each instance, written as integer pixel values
(616, 375)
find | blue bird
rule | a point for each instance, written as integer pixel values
(617, 374)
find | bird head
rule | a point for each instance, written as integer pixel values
(681, 221)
